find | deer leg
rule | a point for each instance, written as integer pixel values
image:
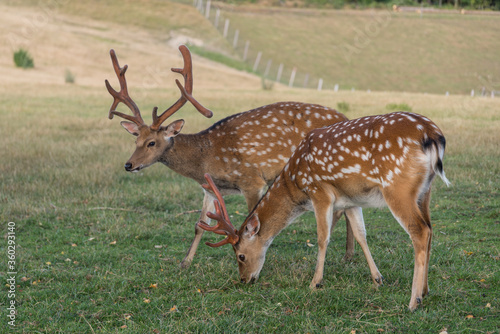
(424, 210)
(208, 206)
(324, 221)
(355, 216)
(349, 242)
(253, 195)
(409, 216)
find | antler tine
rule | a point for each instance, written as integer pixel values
(122, 95)
(186, 92)
(223, 226)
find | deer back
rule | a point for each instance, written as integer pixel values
(356, 160)
(260, 141)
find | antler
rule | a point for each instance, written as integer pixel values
(122, 95)
(186, 91)
(224, 226)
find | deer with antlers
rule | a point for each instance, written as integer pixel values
(244, 152)
(388, 160)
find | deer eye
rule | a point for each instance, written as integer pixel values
(241, 257)
(151, 144)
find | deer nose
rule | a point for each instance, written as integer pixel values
(128, 166)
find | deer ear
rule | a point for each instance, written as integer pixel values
(132, 128)
(253, 226)
(173, 128)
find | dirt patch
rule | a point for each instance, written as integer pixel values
(61, 43)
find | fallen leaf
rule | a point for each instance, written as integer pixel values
(48, 263)
(443, 332)
(113, 242)
(124, 326)
(90, 239)
(487, 305)
(74, 245)
(158, 246)
(24, 279)
(310, 245)
(146, 300)
(174, 309)
(153, 286)
(127, 316)
(470, 316)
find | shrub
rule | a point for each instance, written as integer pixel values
(398, 107)
(266, 84)
(343, 107)
(23, 59)
(69, 77)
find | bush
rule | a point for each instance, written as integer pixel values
(23, 59)
(69, 77)
(266, 84)
(398, 107)
(343, 107)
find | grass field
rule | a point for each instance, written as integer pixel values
(377, 50)
(98, 249)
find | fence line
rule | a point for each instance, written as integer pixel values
(292, 76)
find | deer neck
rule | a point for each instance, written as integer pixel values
(186, 155)
(282, 203)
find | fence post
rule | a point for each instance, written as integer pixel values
(280, 71)
(292, 77)
(217, 16)
(320, 84)
(268, 67)
(226, 28)
(257, 61)
(207, 10)
(235, 39)
(306, 80)
(245, 53)
(336, 88)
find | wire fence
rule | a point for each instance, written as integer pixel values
(276, 71)
(257, 61)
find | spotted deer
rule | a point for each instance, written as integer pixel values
(388, 160)
(244, 152)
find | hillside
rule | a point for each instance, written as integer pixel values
(365, 50)
(378, 50)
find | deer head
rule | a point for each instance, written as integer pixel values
(154, 140)
(249, 263)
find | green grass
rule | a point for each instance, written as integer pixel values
(99, 249)
(376, 50)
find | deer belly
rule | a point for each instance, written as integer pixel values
(368, 199)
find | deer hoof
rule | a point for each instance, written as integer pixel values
(185, 264)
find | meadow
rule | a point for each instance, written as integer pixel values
(98, 249)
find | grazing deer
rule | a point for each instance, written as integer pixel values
(244, 152)
(368, 162)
